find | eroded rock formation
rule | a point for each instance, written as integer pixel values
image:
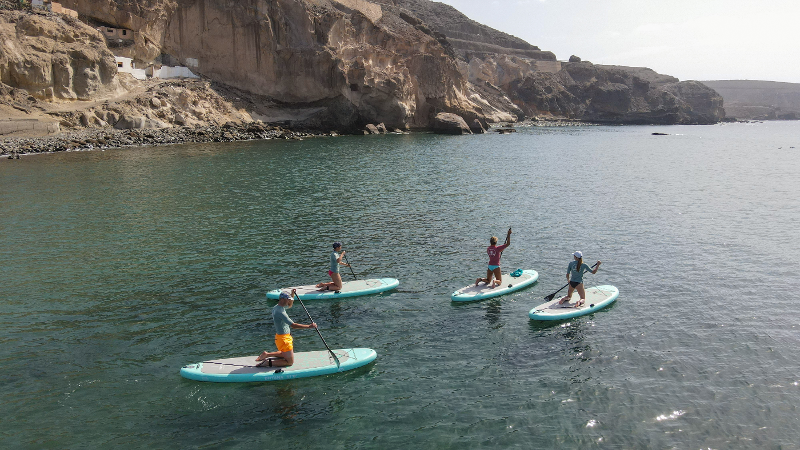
(762, 100)
(347, 62)
(327, 65)
(614, 94)
(511, 77)
(58, 58)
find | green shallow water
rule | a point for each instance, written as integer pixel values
(121, 266)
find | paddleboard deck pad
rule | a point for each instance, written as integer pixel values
(597, 297)
(349, 289)
(510, 284)
(306, 364)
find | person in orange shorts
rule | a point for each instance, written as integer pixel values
(283, 337)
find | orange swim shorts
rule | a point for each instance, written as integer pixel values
(284, 342)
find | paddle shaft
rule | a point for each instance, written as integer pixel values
(550, 297)
(320, 334)
(349, 266)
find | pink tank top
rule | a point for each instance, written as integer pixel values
(494, 253)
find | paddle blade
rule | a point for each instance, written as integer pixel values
(549, 297)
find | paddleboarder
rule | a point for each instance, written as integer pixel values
(495, 252)
(575, 271)
(336, 278)
(283, 336)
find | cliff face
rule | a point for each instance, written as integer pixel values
(619, 95)
(466, 36)
(347, 62)
(503, 69)
(763, 100)
(54, 59)
(340, 64)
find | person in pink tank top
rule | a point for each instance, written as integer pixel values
(495, 252)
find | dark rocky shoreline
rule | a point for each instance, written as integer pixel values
(107, 138)
(102, 138)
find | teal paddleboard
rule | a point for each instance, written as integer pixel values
(510, 284)
(306, 364)
(349, 289)
(597, 297)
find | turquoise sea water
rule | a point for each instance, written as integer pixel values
(121, 266)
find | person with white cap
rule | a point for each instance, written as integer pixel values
(336, 278)
(575, 271)
(283, 336)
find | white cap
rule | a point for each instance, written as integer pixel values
(578, 255)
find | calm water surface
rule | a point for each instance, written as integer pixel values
(121, 266)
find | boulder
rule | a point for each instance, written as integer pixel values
(372, 129)
(381, 128)
(86, 119)
(449, 123)
(574, 58)
(128, 122)
(112, 117)
(155, 124)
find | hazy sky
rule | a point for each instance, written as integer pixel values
(691, 40)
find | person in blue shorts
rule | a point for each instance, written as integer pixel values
(575, 271)
(493, 270)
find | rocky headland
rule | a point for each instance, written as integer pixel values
(758, 100)
(288, 68)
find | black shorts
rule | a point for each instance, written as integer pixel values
(574, 284)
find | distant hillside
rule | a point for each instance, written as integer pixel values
(763, 100)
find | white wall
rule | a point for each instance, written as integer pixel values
(126, 65)
(173, 72)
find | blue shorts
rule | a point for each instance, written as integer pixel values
(491, 268)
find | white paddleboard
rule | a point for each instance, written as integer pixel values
(306, 364)
(349, 289)
(510, 284)
(597, 297)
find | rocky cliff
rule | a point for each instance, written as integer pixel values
(339, 63)
(324, 64)
(762, 100)
(54, 58)
(504, 69)
(466, 36)
(617, 95)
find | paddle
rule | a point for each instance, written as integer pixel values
(349, 266)
(550, 297)
(320, 334)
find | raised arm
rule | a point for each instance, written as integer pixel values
(508, 237)
(341, 255)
